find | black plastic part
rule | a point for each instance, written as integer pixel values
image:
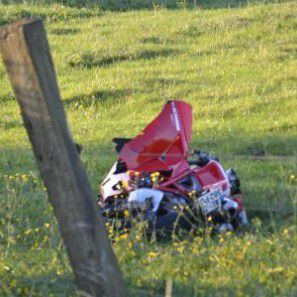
(234, 182)
(202, 158)
(120, 167)
(120, 142)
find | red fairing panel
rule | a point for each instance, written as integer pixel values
(163, 144)
(212, 176)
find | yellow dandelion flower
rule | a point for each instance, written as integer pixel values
(275, 270)
(24, 177)
(286, 231)
(152, 255)
(46, 225)
(116, 239)
(194, 250)
(27, 231)
(124, 236)
(180, 249)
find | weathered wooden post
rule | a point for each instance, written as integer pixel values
(28, 61)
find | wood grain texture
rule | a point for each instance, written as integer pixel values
(26, 55)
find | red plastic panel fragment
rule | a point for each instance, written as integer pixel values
(163, 144)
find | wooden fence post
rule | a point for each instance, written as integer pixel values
(28, 61)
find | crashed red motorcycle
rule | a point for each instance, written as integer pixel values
(156, 179)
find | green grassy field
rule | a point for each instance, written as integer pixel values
(238, 69)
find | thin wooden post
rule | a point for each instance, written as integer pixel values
(28, 61)
(168, 287)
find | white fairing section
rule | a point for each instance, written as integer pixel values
(225, 228)
(106, 188)
(140, 197)
(243, 218)
(229, 203)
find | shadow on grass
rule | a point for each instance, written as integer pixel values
(97, 97)
(90, 60)
(64, 31)
(95, 7)
(151, 40)
(277, 144)
(124, 5)
(49, 284)
(217, 4)
(11, 124)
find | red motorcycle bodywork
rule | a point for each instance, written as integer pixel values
(163, 146)
(212, 176)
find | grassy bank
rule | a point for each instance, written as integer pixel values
(124, 5)
(238, 70)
